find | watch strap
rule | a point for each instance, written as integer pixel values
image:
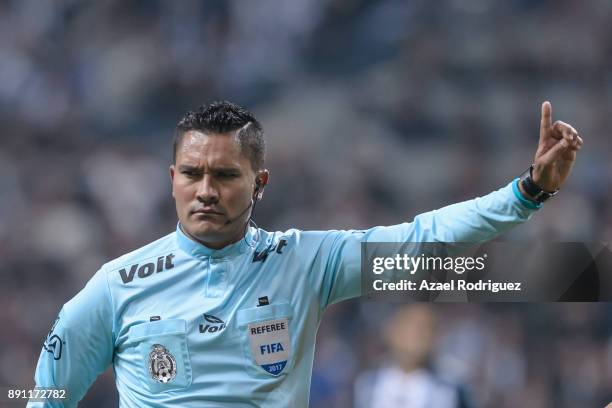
(538, 194)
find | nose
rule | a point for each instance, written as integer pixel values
(207, 192)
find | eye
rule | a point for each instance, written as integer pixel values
(190, 173)
(227, 174)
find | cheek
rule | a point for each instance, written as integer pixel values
(235, 197)
(230, 196)
(182, 193)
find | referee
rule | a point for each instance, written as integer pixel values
(223, 313)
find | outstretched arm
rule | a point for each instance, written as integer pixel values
(474, 221)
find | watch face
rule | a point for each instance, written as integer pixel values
(542, 195)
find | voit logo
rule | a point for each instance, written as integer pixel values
(212, 324)
(53, 343)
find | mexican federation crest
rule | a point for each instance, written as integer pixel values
(162, 364)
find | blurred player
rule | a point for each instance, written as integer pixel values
(407, 378)
(222, 313)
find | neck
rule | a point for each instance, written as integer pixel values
(409, 365)
(216, 245)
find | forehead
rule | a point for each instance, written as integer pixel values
(197, 148)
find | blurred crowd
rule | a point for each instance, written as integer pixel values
(374, 111)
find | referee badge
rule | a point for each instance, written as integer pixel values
(270, 344)
(162, 364)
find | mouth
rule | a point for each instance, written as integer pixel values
(206, 211)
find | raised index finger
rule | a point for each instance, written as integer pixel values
(546, 122)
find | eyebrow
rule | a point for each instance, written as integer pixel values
(183, 167)
(187, 167)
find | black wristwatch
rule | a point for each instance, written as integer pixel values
(536, 192)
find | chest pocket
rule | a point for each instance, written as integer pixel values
(266, 339)
(161, 347)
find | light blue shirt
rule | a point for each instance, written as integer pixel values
(188, 326)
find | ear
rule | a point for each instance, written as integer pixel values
(172, 170)
(261, 181)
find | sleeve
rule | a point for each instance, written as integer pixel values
(474, 221)
(79, 345)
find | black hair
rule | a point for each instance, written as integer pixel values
(221, 118)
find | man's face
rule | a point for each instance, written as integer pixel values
(212, 185)
(411, 334)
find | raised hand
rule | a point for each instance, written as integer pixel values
(556, 152)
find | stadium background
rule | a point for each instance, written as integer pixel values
(374, 111)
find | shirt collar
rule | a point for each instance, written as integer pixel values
(199, 250)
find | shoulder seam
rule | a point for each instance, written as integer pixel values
(105, 272)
